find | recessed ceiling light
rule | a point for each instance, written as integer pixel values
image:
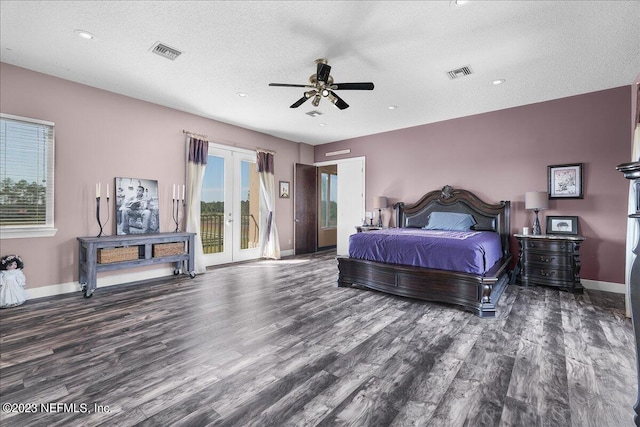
(323, 124)
(392, 107)
(457, 3)
(498, 82)
(242, 94)
(84, 34)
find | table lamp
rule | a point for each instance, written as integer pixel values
(380, 203)
(536, 201)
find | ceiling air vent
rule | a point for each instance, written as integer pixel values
(460, 72)
(314, 113)
(165, 51)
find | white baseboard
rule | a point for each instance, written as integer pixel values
(103, 282)
(118, 279)
(597, 285)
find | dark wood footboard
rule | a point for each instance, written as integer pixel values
(475, 293)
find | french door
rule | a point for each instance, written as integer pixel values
(230, 206)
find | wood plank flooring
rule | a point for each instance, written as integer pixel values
(276, 343)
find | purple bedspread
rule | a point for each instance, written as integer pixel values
(463, 251)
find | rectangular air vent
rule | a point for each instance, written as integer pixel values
(314, 113)
(460, 72)
(165, 51)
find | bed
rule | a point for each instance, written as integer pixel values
(475, 286)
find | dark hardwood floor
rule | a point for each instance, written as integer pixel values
(276, 343)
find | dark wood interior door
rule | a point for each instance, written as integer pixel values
(305, 200)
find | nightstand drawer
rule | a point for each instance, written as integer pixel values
(550, 259)
(548, 245)
(547, 276)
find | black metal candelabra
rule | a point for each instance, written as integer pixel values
(98, 215)
(175, 211)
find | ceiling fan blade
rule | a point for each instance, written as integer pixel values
(287, 85)
(299, 102)
(352, 86)
(323, 72)
(337, 101)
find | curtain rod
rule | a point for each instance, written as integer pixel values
(194, 134)
(229, 143)
(265, 150)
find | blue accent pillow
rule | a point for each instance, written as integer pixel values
(450, 221)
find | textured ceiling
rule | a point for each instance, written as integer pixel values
(543, 49)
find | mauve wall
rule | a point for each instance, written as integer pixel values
(101, 135)
(503, 154)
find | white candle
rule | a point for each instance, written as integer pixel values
(174, 191)
(183, 192)
(99, 188)
(97, 191)
(107, 190)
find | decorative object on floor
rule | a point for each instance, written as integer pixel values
(562, 225)
(12, 282)
(380, 203)
(284, 190)
(98, 195)
(565, 181)
(536, 201)
(175, 206)
(137, 206)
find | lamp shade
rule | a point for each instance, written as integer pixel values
(536, 200)
(380, 202)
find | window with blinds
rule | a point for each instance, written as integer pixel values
(26, 177)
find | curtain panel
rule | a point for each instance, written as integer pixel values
(198, 153)
(269, 243)
(632, 227)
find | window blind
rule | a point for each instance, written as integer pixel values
(26, 172)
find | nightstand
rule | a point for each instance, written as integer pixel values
(364, 228)
(550, 260)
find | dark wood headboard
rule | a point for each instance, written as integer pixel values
(489, 217)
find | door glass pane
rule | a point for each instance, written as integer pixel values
(249, 204)
(212, 206)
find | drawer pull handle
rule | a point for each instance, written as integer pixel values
(544, 259)
(547, 273)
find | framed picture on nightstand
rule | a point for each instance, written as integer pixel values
(562, 225)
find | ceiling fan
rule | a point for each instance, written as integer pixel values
(322, 86)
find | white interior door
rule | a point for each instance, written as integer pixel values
(351, 183)
(230, 206)
(350, 201)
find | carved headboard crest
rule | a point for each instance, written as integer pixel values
(446, 192)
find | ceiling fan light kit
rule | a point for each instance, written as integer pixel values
(322, 86)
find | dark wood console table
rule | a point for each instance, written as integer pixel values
(632, 171)
(142, 249)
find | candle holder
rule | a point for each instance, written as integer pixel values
(100, 234)
(175, 212)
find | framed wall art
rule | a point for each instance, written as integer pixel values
(136, 206)
(565, 181)
(284, 189)
(562, 225)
